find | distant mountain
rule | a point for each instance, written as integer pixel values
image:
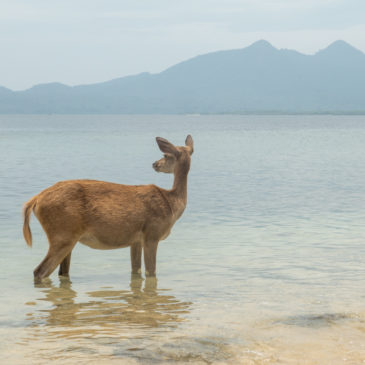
(256, 79)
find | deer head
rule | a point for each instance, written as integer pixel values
(172, 154)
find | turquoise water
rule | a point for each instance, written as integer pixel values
(266, 266)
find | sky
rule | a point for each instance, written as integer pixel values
(88, 41)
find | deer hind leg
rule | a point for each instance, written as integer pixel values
(136, 257)
(149, 253)
(65, 266)
(57, 252)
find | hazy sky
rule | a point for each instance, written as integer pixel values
(87, 41)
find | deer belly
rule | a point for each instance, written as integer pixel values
(106, 244)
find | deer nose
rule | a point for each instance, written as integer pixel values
(154, 165)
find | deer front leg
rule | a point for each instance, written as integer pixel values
(149, 253)
(136, 257)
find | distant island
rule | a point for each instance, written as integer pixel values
(257, 79)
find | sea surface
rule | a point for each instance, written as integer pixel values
(266, 266)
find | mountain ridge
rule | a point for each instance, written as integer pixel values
(259, 78)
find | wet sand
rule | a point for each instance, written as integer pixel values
(148, 325)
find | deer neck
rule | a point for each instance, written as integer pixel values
(179, 191)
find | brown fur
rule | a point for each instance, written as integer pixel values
(106, 215)
(28, 207)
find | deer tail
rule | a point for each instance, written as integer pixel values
(28, 208)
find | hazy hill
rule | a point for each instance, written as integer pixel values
(259, 79)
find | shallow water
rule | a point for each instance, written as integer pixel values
(266, 266)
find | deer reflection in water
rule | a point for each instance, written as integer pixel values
(113, 312)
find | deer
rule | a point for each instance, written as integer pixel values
(105, 215)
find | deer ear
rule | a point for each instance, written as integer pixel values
(167, 147)
(190, 143)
